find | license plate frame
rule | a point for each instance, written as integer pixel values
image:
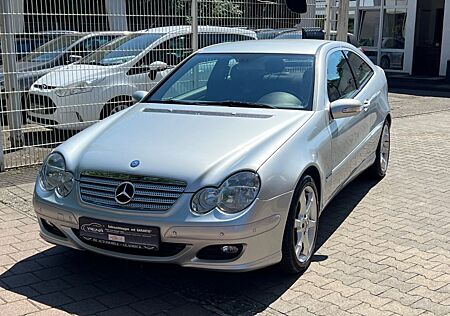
(119, 234)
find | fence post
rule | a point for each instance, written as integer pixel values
(328, 12)
(194, 15)
(342, 24)
(2, 159)
(13, 104)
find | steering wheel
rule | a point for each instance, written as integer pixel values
(283, 98)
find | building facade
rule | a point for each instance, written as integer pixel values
(409, 36)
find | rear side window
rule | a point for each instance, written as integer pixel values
(340, 82)
(361, 69)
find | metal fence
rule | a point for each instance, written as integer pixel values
(68, 64)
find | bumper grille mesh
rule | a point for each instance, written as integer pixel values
(152, 194)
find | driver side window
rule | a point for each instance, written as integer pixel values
(340, 81)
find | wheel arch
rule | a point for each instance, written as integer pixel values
(118, 98)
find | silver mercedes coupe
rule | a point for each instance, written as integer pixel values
(227, 163)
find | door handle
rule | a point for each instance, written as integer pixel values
(368, 102)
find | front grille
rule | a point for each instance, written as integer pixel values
(150, 194)
(41, 104)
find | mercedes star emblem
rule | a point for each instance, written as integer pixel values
(124, 193)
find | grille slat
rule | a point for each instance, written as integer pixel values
(149, 195)
(41, 104)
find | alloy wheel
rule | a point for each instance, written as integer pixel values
(385, 147)
(305, 224)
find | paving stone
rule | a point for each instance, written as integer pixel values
(384, 249)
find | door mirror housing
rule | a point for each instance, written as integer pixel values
(345, 108)
(138, 96)
(73, 58)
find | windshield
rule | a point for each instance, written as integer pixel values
(122, 50)
(265, 80)
(52, 49)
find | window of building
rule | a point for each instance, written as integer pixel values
(369, 30)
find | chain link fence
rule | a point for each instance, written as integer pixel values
(68, 64)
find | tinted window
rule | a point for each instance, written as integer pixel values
(91, 44)
(121, 50)
(172, 51)
(52, 49)
(281, 81)
(361, 69)
(340, 80)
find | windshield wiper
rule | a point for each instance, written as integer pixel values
(243, 104)
(172, 101)
(229, 103)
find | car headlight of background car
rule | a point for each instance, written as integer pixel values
(234, 195)
(79, 87)
(53, 175)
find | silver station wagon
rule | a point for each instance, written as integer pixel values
(227, 163)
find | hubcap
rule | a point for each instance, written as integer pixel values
(385, 148)
(305, 225)
(118, 108)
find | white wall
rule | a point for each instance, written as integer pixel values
(445, 50)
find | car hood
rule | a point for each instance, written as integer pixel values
(28, 69)
(201, 145)
(64, 76)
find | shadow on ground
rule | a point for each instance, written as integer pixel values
(85, 283)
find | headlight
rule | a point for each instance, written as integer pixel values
(76, 88)
(54, 176)
(234, 195)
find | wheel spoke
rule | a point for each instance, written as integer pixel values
(297, 224)
(312, 224)
(306, 244)
(302, 202)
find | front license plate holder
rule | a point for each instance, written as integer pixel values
(119, 234)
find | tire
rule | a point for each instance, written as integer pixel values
(115, 105)
(385, 63)
(296, 257)
(379, 168)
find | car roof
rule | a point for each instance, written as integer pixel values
(201, 29)
(275, 46)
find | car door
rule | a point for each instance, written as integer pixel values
(172, 51)
(347, 133)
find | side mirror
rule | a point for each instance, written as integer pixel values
(74, 58)
(345, 108)
(138, 96)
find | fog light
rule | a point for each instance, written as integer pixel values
(230, 249)
(220, 252)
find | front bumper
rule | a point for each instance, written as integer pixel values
(74, 112)
(261, 238)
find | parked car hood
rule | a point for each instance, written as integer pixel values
(70, 74)
(201, 145)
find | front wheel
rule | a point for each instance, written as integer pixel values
(379, 167)
(300, 233)
(116, 105)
